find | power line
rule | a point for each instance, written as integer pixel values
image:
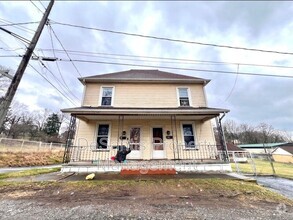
(22, 23)
(11, 56)
(179, 68)
(51, 84)
(20, 48)
(15, 35)
(170, 39)
(18, 55)
(36, 7)
(56, 79)
(19, 26)
(76, 52)
(233, 85)
(169, 58)
(42, 5)
(65, 50)
(59, 71)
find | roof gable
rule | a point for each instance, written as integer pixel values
(288, 149)
(137, 75)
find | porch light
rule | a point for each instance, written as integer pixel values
(123, 135)
(169, 136)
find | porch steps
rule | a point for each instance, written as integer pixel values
(125, 171)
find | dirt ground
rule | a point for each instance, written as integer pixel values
(158, 199)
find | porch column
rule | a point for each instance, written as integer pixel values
(69, 138)
(175, 135)
(120, 129)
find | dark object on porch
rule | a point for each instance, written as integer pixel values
(121, 153)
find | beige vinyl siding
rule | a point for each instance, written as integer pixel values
(145, 95)
(86, 136)
(91, 95)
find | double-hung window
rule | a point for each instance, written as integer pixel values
(183, 97)
(188, 136)
(107, 96)
(103, 136)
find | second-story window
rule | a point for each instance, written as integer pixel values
(107, 96)
(183, 97)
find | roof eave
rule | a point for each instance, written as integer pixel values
(133, 80)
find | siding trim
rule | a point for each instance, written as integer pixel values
(101, 94)
(194, 135)
(109, 146)
(189, 95)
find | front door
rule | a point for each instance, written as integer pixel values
(158, 143)
(134, 143)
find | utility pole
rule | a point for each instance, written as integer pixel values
(7, 99)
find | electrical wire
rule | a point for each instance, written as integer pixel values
(42, 5)
(61, 86)
(44, 76)
(19, 26)
(36, 7)
(57, 65)
(64, 50)
(177, 68)
(22, 23)
(15, 35)
(11, 56)
(170, 39)
(51, 84)
(166, 58)
(2, 48)
(233, 85)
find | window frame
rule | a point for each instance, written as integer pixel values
(194, 135)
(108, 138)
(188, 95)
(101, 95)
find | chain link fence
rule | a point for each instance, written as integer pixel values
(260, 164)
(19, 145)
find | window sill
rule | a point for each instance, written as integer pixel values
(106, 106)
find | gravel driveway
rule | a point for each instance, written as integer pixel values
(24, 209)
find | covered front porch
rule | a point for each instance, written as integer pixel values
(181, 140)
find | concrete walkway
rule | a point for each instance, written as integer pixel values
(15, 169)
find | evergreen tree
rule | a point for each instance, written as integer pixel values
(52, 125)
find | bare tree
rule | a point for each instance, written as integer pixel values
(4, 80)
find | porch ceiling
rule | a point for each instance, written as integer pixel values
(107, 113)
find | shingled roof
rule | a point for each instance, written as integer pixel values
(137, 75)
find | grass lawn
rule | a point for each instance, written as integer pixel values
(20, 159)
(263, 167)
(31, 172)
(200, 189)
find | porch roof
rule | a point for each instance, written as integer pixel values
(91, 113)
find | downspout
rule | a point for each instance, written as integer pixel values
(226, 158)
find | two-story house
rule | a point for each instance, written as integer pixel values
(159, 115)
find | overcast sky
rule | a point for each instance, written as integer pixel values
(251, 99)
